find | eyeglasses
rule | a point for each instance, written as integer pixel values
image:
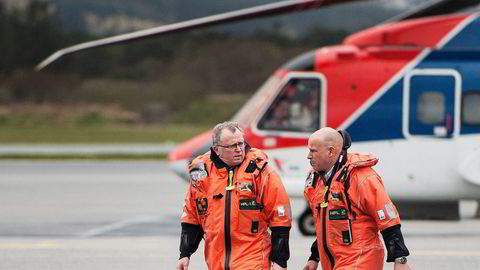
(233, 146)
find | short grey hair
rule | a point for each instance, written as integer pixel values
(217, 130)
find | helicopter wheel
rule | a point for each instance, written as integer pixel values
(306, 224)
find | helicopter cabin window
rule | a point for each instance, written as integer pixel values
(296, 108)
(471, 109)
(431, 108)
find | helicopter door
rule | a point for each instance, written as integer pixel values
(431, 103)
(297, 107)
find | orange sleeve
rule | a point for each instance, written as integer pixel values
(189, 214)
(309, 191)
(374, 200)
(275, 200)
(307, 198)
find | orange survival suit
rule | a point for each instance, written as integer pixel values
(234, 217)
(349, 210)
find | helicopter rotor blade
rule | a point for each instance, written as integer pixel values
(434, 8)
(272, 9)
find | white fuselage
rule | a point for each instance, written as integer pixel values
(416, 169)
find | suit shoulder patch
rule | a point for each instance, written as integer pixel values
(198, 172)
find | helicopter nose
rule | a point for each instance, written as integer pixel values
(179, 167)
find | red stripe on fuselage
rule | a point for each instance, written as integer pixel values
(354, 74)
(274, 141)
(426, 32)
(353, 79)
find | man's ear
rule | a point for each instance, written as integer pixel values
(331, 150)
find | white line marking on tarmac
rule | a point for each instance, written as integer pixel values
(19, 245)
(118, 225)
(451, 253)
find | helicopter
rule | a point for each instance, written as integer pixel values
(407, 90)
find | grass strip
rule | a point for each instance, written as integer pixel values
(60, 157)
(172, 133)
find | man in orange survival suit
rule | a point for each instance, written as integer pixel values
(232, 198)
(350, 207)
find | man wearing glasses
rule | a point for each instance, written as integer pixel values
(233, 197)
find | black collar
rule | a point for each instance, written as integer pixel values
(216, 160)
(336, 167)
(219, 164)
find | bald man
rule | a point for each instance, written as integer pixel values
(350, 206)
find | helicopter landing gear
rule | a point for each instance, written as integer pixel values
(306, 224)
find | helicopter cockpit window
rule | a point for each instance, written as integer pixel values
(471, 109)
(296, 108)
(431, 108)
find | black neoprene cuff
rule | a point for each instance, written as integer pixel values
(314, 256)
(190, 238)
(393, 238)
(280, 248)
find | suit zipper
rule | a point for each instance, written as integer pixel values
(228, 204)
(323, 213)
(325, 246)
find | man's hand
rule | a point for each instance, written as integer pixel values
(182, 264)
(399, 266)
(277, 267)
(312, 265)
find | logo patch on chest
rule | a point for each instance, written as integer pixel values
(249, 204)
(245, 186)
(202, 206)
(336, 196)
(338, 214)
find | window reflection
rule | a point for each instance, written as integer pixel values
(471, 109)
(431, 108)
(296, 108)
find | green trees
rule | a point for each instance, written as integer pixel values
(27, 35)
(166, 79)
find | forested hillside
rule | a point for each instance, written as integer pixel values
(199, 78)
(76, 15)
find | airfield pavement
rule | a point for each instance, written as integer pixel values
(124, 215)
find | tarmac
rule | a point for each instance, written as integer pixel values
(125, 215)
